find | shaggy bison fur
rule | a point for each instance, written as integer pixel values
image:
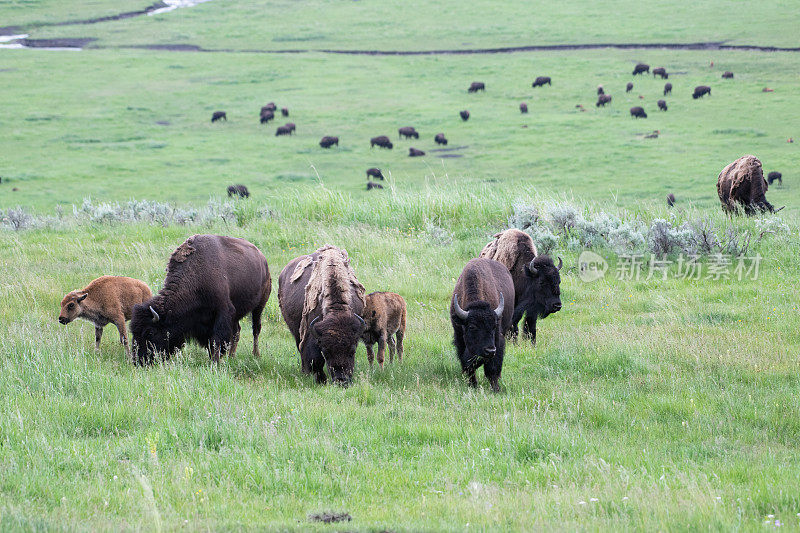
(741, 185)
(638, 112)
(238, 190)
(541, 81)
(385, 314)
(382, 141)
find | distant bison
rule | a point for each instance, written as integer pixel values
(385, 314)
(413, 152)
(477, 86)
(662, 105)
(408, 132)
(372, 185)
(266, 116)
(775, 176)
(727, 74)
(321, 301)
(269, 107)
(212, 283)
(285, 111)
(602, 100)
(670, 200)
(440, 139)
(700, 91)
(374, 173)
(638, 112)
(329, 141)
(541, 81)
(283, 130)
(641, 68)
(667, 89)
(660, 71)
(238, 190)
(523, 108)
(219, 115)
(291, 126)
(741, 185)
(600, 90)
(382, 141)
(481, 310)
(106, 300)
(464, 115)
(629, 87)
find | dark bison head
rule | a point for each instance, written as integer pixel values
(337, 336)
(480, 324)
(543, 293)
(152, 334)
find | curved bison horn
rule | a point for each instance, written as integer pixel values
(532, 268)
(499, 310)
(460, 313)
(778, 209)
(156, 318)
(312, 329)
(363, 322)
(560, 263)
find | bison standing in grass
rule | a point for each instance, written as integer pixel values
(602, 100)
(537, 282)
(480, 313)
(385, 314)
(662, 105)
(670, 200)
(219, 115)
(741, 185)
(464, 115)
(382, 141)
(408, 132)
(106, 300)
(440, 139)
(638, 112)
(700, 91)
(774, 176)
(667, 89)
(660, 71)
(329, 141)
(283, 130)
(266, 116)
(321, 301)
(541, 81)
(212, 283)
(641, 68)
(728, 75)
(523, 108)
(476, 86)
(629, 87)
(374, 173)
(238, 190)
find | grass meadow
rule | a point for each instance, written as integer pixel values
(649, 404)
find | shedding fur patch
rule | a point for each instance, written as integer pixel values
(331, 279)
(509, 247)
(742, 182)
(183, 251)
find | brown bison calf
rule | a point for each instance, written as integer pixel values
(106, 300)
(385, 315)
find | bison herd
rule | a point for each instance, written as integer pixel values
(214, 281)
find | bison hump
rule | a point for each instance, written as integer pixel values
(183, 251)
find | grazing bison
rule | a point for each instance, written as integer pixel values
(321, 301)
(667, 89)
(700, 91)
(283, 130)
(106, 300)
(480, 312)
(374, 173)
(413, 152)
(329, 141)
(670, 200)
(238, 190)
(385, 315)
(638, 112)
(641, 68)
(662, 105)
(464, 115)
(537, 282)
(212, 283)
(408, 132)
(741, 185)
(600, 90)
(270, 107)
(219, 115)
(775, 176)
(372, 185)
(291, 126)
(440, 139)
(477, 86)
(660, 71)
(602, 100)
(727, 75)
(629, 87)
(285, 111)
(382, 141)
(541, 81)
(266, 116)
(523, 108)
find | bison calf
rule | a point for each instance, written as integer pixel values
(106, 300)
(285, 111)
(385, 315)
(374, 173)
(638, 112)
(219, 115)
(440, 139)
(464, 115)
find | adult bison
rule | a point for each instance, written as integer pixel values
(662, 105)
(727, 75)
(638, 112)
(440, 139)
(476, 86)
(464, 115)
(285, 111)
(408, 132)
(413, 152)
(269, 107)
(321, 301)
(774, 176)
(660, 71)
(283, 130)
(523, 108)
(670, 200)
(219, 115)
(700, 91)
(381, 141)
(641, 68)
(602, 100)
(629, 87)
(372, 185)
(741, 185)
(541, 81)
(329, 141)
(600, 90)
(481, 311)
(212, 283)
(266, 116)
(667, 89)
(374, 173)
(238, 190)
(537, 282)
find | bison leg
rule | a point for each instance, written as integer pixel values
(382, 348)
(513, 330)
(529, 328)
(494, 366)
(123, 335)
(392, 347)
(222, 335)
(318, 369)
(370, 353)
(235, 339)
(98, 334)
(400, 334)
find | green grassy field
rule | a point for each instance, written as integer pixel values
(650, 404)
